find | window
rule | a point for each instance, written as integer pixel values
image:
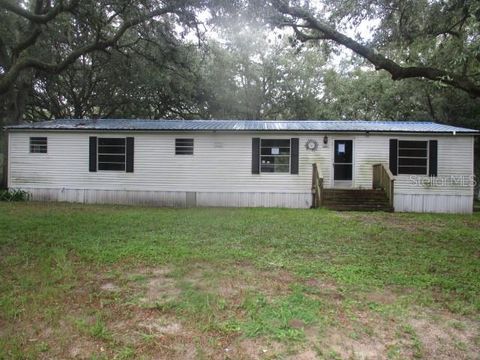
(38, 145)
(111, 154)
(183, 146)
(413, 157)
(275, 155)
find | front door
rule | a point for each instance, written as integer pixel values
(342, 162)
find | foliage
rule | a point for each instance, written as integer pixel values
(217, 59)
(14, 195)
(40, 39)
(413, 39)
(255, 76)
(111, 85)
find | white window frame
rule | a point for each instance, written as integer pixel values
(289, 156)
(104, 162)
(427, 157)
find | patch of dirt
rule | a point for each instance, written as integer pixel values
(162, 327)
(296, 324)
(305, 355)
(231, 288)
(160, 287)
(234, 282)
(347, 348)
(370, 336)
(355, 333)
(64, 340)
(324, 288)
(254, 349)
(384, 296)
(275, 282)
(82, 348)
(440, 340)
(157, 335)
(109, 286)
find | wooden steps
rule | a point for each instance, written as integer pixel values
(355, 200)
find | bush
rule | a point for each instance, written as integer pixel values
(14, 195)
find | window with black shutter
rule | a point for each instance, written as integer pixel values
(412, 157)
(275, 155)
(111, 154)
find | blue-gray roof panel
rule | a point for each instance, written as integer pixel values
(243, 125)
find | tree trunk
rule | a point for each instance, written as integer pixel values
(11, 114)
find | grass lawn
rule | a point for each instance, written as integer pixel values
(106, 282)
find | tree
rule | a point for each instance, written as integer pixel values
(47, 37)
(144, 80)
(415, 38)
(253, 74)
(366, 94)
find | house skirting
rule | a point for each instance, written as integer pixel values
(180, 199)
(433, 203)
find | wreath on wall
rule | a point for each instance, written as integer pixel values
(311, 145)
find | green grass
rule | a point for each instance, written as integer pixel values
(274, 318)
(50, 252)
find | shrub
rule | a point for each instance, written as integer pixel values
(14, 195)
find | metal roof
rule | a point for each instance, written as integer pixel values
(243, 125)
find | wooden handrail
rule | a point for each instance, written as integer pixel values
(317, 186)
(384, 179)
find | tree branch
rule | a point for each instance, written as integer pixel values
(7, 80)
(28, 41)
(306, 37)
(39, 18)
(380, 62)
(4, 58)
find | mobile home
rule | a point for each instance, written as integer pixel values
(400, 166)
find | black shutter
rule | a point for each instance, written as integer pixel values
(433, 158)
(130, 146)
(256, 156)
(93, 154)
(393, 156)
(294, 143)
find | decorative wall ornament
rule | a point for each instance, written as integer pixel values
(311, 145)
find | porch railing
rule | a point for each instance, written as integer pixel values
(317, 186)
(383, 179)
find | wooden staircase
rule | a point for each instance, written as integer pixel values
(379, 198)
(356, 199)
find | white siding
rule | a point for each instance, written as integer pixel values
(455, 161)
(221, 163)
(451, 191)
(219, 172)
(368, 151)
